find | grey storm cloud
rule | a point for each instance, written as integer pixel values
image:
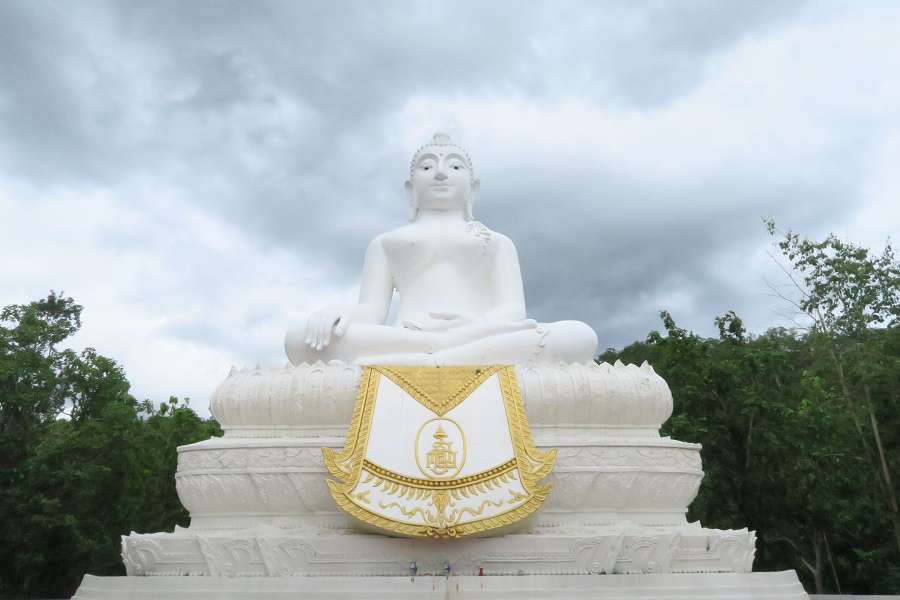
(288, 124)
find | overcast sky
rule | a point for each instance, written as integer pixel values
(200, 175)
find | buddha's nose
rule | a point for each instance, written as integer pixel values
(440, 173)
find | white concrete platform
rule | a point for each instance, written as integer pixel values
(688, 586)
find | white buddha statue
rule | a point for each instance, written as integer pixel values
(460, 288)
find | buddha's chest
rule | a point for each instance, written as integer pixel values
(414, 248)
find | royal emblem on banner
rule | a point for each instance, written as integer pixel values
(439, 452)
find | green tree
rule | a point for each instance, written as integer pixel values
(777, 451)
(81, 461)
(850, 299)
(801, 428)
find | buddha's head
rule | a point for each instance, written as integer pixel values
(441, 178)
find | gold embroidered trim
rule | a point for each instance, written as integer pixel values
(374, 470)
(540, 463)
(441, 394)
(405, 528)
(341, 464)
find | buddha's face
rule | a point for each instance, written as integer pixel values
(441, 179)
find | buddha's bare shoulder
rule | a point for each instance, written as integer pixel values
(378, 241)
(399, 235)
(402, 231)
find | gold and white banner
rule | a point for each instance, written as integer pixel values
(439, 452)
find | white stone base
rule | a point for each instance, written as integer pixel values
(712, 586)
(598, 480)
(271, 552)
(264, 524)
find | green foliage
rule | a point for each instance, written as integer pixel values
(81, 461)
(779, 452)
(843, 288)
(852, 299)
(800, 429)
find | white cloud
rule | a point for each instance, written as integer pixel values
(198, 181)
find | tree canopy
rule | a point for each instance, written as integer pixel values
(800, 427)
(82, 462)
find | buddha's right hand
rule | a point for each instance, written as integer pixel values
(323, 323)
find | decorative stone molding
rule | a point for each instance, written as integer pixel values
(306, 399)
(315, 400)
(232, 557)
(593, 492)
(584, 550)
(177, 553)
(650, 454)
(195, 458)
(590, 396)
(240, 482)
(253, 498)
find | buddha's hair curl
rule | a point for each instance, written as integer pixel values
(442, 139)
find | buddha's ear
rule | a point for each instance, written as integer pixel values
(413, 209)
(475, 185)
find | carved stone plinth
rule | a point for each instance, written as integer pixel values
(260, 506)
